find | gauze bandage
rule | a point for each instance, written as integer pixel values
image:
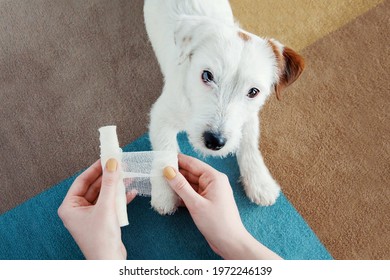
(136, 168)
(139, 167)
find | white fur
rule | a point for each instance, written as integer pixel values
(189, 36)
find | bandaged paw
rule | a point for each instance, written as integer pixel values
(136, 168)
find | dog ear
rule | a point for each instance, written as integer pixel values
(190, 32)
(183, 37)
(290, 65)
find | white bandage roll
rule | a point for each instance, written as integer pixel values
(109, 148)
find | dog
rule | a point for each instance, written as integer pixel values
(217, 76)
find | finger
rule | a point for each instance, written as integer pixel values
(181, 202)
(191, 178)
(181, 186)
(131, 195)
(110, 181)
(93, 191)
(194, 165)
(78, 201)
(85, 179)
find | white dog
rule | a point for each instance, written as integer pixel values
(217, 77)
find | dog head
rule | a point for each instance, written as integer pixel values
(228, 75)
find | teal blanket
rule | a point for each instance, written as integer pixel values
(34, 231)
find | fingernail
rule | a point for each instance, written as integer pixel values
(169, 173)
(111, 165)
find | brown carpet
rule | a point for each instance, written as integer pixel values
(69, 67)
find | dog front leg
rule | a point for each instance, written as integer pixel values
(162, 135)
(258, 183)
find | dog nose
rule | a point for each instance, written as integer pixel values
(214, 141)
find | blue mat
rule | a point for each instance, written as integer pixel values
(34, 231)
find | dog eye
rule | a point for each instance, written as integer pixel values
(207, 77)
(253, 92)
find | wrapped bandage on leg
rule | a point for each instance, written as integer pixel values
(136, 168)
(139, 167)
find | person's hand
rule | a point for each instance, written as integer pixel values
(89, 213)
(208, 197)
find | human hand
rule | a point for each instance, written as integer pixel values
(89, 213)
(209, 198)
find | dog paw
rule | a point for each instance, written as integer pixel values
(262, 190)
(164, 200)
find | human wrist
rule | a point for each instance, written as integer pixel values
(105, 256)
(110, 253)
(235, 246)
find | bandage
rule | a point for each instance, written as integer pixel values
(139, 167)
(136, 168)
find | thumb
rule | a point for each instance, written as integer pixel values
(110, 179)
(181, 186)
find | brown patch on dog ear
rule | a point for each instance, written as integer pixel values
(244, 36)
(290, 65)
